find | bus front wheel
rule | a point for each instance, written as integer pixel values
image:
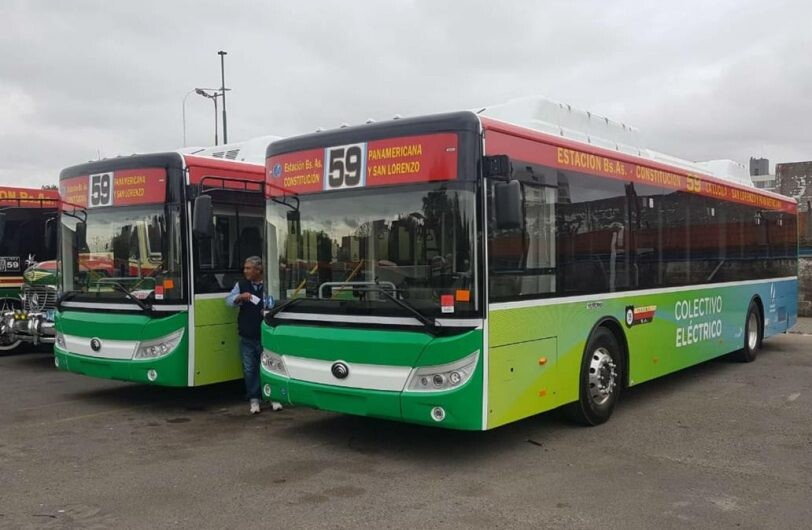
(753, 333)
(599, 382)
(6, 344)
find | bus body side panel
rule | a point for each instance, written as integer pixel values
(373, 356)
(127, 330)
(217, 345)
(666, 330)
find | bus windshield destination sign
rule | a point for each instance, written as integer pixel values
(399, 160)
(27, 198)
(124, 187)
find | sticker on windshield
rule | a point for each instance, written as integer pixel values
(447, 303)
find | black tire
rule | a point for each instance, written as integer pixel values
(600, 379)
(753, 334)
(7, 346)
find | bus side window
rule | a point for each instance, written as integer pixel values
(522, 259)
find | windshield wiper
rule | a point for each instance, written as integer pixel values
(67, 295)
(430, 323)
(140, 303)
(278, 309)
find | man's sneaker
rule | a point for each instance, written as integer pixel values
(255, 407)
(275, 405)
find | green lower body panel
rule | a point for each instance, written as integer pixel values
(169, 370)
(462, 407)
(122, 334)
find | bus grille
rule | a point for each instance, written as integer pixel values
(38, 299)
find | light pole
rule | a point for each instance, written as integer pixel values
(213, 96)
(222, 55)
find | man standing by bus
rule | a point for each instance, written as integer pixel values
(248, 295)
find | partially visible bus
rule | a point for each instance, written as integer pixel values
(27, 237)
(142, 292)
(460, 271)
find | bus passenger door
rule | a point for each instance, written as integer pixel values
(236, 235)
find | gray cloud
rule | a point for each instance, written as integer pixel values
(701, 80)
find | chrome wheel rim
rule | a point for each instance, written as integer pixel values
(602, 376)
(752, 331)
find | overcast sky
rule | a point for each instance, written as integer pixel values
(701, 80)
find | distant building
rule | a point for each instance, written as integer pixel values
(759, 166)
(760, 174)
(795, 180)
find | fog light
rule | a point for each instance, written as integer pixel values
(56, 362)
(438, 414)
(266, 390)
(152, 375)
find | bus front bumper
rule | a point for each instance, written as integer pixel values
(455, 409)
(166, 371)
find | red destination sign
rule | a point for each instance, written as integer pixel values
(28, 198)
(124, 187)
(402, 160)
(598, 164)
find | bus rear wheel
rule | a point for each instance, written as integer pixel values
(753, 333)
(599, 382)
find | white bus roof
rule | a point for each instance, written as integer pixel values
(560, 119)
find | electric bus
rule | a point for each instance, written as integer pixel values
(464, 271)
(143, 286)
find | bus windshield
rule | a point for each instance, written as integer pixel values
(340, 250)
(132, 250)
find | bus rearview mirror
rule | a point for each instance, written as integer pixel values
(50, 235)
(202, 217)
(508, 205)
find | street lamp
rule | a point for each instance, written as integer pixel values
(213, 96)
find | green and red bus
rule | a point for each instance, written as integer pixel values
(460, 271)
(27, 249)
(143, 286)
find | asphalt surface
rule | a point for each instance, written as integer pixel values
(721, 445)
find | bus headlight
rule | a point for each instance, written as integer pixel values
(60, 340)
(274, 363)
(442, 377)
(152, 349)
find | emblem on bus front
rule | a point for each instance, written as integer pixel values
(340, 370)
(95, 344)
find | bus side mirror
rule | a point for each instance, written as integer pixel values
(2, 224)
(508, 205)
(202, 217)
(50, 235)
(81, 235)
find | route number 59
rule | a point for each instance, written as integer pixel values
(100, 192)
(345, 166)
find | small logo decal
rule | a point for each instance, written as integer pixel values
(95, 344)
(277, 170)
(639, 315)
(340, 370)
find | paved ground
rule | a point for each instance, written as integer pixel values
(803, 326)
(721, 445)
